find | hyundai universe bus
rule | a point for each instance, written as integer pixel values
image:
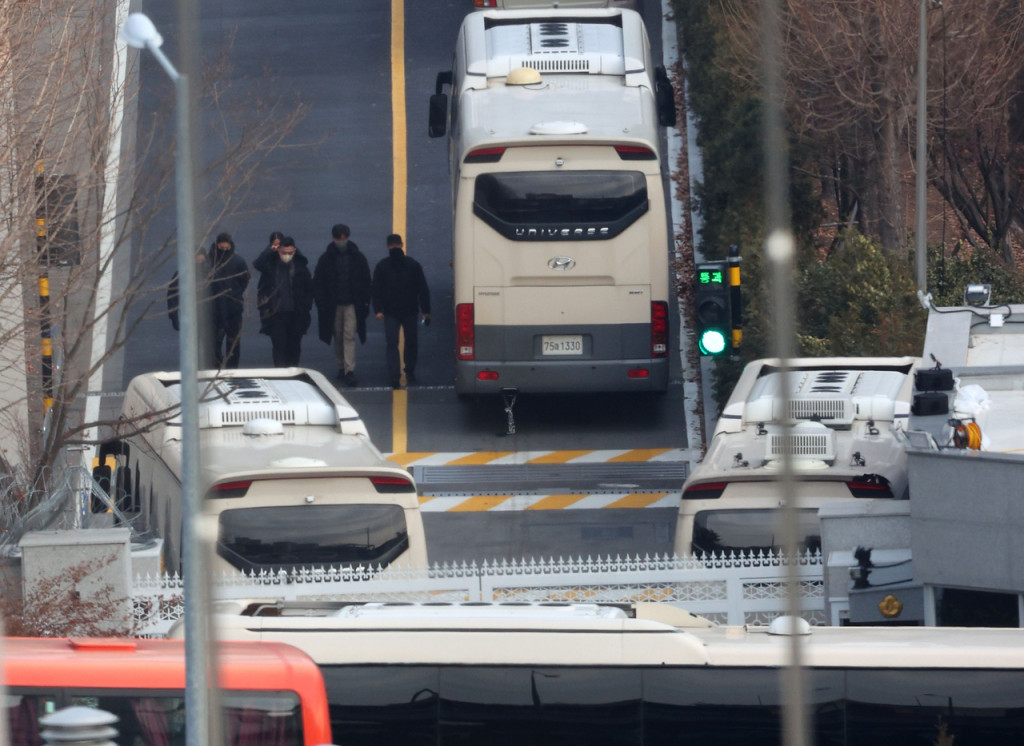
(560, 230)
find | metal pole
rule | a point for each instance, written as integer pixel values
(921, 252)
(780, 249)
(199, 726)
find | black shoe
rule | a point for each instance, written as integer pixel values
(340, 375)
(410, 378)
(350, 379)
(396, 383)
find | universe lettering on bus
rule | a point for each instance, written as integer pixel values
(547, 234)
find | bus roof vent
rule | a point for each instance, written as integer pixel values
(558, 128)
(553, 46)
(451, 611)
(805, 440)
(834, 396)
(231, 402)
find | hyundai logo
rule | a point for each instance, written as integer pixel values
(561, 263)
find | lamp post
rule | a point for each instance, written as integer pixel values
(139, 32)
(921, 190)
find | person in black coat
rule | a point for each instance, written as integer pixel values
(203, 309)
(229, 279)
(400, 293)
(284, 296)
(341, 283)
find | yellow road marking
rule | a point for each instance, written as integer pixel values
(399, 401)
(398, 144)
(480, 503)
(558, 457)
(482, 457)
(399, 409)
(556, 502)
(635, 501)
(639, 454)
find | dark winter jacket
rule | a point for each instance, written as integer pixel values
(229, 279)
(399, 287)
(341, 278)
(202, 290)
(268, 298)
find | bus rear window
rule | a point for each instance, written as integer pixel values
(293, 537)
(560, 205)
(754, 530)
(252, 717)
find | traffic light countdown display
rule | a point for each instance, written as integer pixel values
(711, 299)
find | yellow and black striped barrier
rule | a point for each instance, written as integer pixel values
(46, 345)
(735, 298)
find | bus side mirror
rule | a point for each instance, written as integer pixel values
(664, 98)
(443, 78)
(438, 115)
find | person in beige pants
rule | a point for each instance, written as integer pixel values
(341, 286)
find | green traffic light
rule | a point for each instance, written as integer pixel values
(712, 342)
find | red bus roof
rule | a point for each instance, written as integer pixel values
(117, 663)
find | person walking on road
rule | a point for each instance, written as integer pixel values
(341, 284)
(400, 294)
(229, 279)
(284, 296)
(202, 309)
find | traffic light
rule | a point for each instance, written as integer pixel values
(711, 298)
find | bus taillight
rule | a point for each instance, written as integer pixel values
(875, 487)
(705, 491)
(484, 155)
(389, 485)
(464, 335)
(635, 153)
(659, 328)
(230, 489)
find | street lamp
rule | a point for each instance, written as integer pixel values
(139, 32)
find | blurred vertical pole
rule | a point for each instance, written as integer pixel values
(201, 702)
(921, 252)
(780, 250)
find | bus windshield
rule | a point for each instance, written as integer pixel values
(750, 530)
(287, 537)
(612, 199)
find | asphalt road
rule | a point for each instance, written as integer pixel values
(337, 166)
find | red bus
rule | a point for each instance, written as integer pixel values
(272, 694)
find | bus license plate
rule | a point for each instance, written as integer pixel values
(562, 344)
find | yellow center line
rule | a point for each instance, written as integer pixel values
(398, 144)
(399, 410)
(399, 406)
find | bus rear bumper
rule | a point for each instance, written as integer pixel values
(557, 377)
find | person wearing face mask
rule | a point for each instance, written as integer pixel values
(400, 294)
(229, 277)
(284, 296)
(341, 283)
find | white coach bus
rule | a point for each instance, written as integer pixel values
(561, 245)
(292, 478)
(842, 422)
(497, 675)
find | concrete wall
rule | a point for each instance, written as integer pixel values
(89, 570)
(967, 519)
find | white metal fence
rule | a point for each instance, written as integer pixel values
(733, 590)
